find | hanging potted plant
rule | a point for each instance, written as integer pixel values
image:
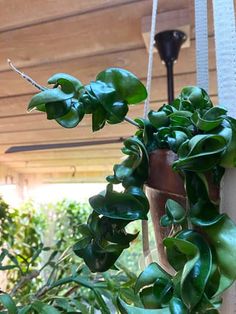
(180, 152)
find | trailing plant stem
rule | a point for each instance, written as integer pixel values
(131, 121)
(25, 76)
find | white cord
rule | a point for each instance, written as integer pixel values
(145, 233)
(150, 58)
(201, 34)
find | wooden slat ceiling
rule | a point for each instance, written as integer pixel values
(79, 37)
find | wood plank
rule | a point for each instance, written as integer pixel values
(86, 68)
(13, 106)
(75, 36)
(21, 13)
(79, 177)
(64, 135)
(100, 168)
(85, 162)
(38, 43)
(27, 157)
(78, 35)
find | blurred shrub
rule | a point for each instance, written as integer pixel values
(50, 279)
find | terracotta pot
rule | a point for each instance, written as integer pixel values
(163, 183)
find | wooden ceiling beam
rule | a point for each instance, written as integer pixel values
(37, 44)
(77, 177)
(29, 12)
(69, 169)
(75, 36)
(87, 68)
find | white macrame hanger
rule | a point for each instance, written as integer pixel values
(225, 43)
(201, 35)
(150, 57)
(145, 236)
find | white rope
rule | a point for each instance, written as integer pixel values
(225, 42)
(150, 58)
(201, 35)
(145, 233)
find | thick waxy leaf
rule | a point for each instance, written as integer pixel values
(69, 84)
(116, 109)
(98, 261)
(117, 205)
(148, 277)
(146, 133)
(129, 309)
(53, 95)
(156, 285)
(98, 118)
(55, 110)
(203, 211)
(89, 100)
(118, 112)
(180, 118)
(158, 118)
(210, 120)
(172, 137)
(229, 157)
(103, 240)
(197, 268)
(8, 303)
(105, 93)
(158, 295)
(196, 97)
(177, 306)
(175, 139)
(175, 213)
(222, 237)
(73, 117)
(133, 171)
(127, 86)
(200, 153)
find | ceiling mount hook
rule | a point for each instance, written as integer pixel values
(168, 44)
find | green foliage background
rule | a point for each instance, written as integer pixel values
(24, 232)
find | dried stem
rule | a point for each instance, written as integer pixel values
(25, 76)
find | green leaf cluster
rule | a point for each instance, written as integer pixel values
(104, 237)
(106, 99)
(203, 137)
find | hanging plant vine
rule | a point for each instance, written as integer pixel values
(202, 248)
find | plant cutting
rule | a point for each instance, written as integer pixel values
(200, 255)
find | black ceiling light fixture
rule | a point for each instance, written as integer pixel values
(168, 44)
